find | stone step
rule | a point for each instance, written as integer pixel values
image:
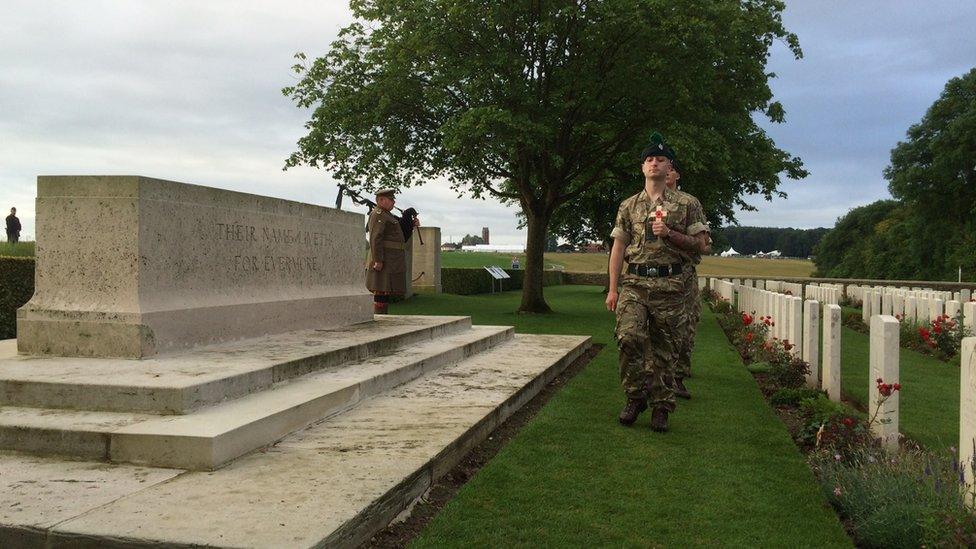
(333, 484)
(183, 382)
(210, 437)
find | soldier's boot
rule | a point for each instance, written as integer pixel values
(380, 308)
(659, 419)
(680, 390)
(631, 410)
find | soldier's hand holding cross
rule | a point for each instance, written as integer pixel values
(658, 227)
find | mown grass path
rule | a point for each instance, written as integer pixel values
(726, 475)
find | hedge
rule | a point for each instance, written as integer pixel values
(587, 279)
(16, 288)
(477, 281)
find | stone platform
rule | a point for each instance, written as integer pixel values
(318, 437)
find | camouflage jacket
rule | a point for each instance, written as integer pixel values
(633, 226)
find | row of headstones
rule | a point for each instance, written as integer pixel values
(919, 306)
(822, 292)
(883, 360)
(798, 321)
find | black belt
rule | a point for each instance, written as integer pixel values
(654, 270)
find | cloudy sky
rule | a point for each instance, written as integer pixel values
(190, 91)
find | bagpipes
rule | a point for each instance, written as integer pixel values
(406, 220)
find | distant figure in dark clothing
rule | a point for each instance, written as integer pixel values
(13, 227)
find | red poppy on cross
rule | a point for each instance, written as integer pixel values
(660, 213)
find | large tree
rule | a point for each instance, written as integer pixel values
(538, 102)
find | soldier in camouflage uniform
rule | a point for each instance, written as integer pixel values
(693, 297)
(657, 232)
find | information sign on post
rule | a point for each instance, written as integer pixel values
(497, 273)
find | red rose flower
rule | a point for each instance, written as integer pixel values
(896, 386)
(746, 319)
(924, 332)
(848, 421)
(748, 337)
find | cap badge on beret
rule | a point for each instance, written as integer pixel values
(658, 147)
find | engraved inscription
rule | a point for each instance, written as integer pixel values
(260, 239)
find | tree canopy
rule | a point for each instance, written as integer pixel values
(543, 102)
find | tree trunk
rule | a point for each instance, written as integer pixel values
(535, 246)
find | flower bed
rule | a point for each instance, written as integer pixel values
(940, 338)
(910, 498)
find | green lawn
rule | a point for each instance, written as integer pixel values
(726, 475)
(597, 263)
(20, 249)
(929, 398)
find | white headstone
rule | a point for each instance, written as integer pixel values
(876, 302)
(865, 307)
(898, 305)
(953, 308)
(911, 311)
(831, 352)
(935, 308)
(965, 294)
(884, 357)
(967, 412)
(795, 333)
(811, 340)
(969, 316)
(886, 304)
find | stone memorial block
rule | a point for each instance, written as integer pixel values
(426, 268)
(884, 355)
(876, 303)
(130, 266)
(831, 352)
(865, 308)
(967, 412)
(811, 341)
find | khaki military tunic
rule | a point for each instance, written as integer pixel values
(386, 244)
(652, 316)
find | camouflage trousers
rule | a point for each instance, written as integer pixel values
(693, 303)
(649, 328)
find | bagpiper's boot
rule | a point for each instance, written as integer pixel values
(680, 390)
(631, 410)
(659, 419)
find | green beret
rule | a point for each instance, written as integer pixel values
(657, 147)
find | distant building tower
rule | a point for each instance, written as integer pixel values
(484, 235)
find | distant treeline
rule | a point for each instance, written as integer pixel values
(750, 240)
